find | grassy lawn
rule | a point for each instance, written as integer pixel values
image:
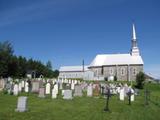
(80, 108)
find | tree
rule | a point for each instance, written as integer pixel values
(56, 73)
(140, 79)
(17, 67)
(6, 53)
(49, 65)
(7, 47)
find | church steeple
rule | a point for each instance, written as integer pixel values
(134, 33)
(134, 49)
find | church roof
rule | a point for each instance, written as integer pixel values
(73, 68)
(116, 59)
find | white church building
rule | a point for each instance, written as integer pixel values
(123, 66)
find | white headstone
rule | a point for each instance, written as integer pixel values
(132, 95)
(35, 87)
(72, 86)
(89, 90)
(122, 94)
(23, 85)
(63, 92)
(48, 88)
(54, 93)
(60, 85)
(69, 81)
(41, 93)
(26, 87)
(67, 94)
(15, 89)
(22, 104)
(20, 87)
(2, 84)
(75, 81)
(78, 91)
(56, 88)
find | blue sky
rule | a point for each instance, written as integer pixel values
(68, 31)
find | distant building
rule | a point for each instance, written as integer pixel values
(77, 72)
(123, 66)
(31, 74)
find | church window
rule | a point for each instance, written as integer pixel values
(134, 71)
(122, 71)
(102, 70)
(111, 71)
(96, 73)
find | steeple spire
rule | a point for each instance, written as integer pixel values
(134, 33)
(134, 49)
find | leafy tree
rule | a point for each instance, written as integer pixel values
(7, 47)
(140, 79)
(6, 52)
(49, 65)
(11, 65)
(56, 73)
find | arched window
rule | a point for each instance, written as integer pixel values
(111, 71)
(122, 71)
(96, 73)
(102, 71)
(134, 71)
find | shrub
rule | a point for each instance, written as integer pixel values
(140, 78)
(106, 78)
(115, 78)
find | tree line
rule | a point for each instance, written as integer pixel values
(18, 66)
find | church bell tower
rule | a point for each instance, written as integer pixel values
(134, 49)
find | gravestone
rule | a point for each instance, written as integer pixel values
(89, 90)
(67, 94)
(53, 82)
(48, 88)
(15, 90)
(122, 94)
(63, 92)
(96, 90)
(2, 84)
(69, 81)
(72, 86)
(60, 85)
(35, 87)
(26, 87)
(56, 88)
(126, 89)
(22, 104)
(75, 82)
(20, 87)
(22, 82)
(78, 91)
(41, 93)
(54, 93)
(67, 86)
(132, 95)
(118, 89)
(8, 87)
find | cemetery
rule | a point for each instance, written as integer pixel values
(71, 99)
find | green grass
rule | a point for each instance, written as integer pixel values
(80, 108)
